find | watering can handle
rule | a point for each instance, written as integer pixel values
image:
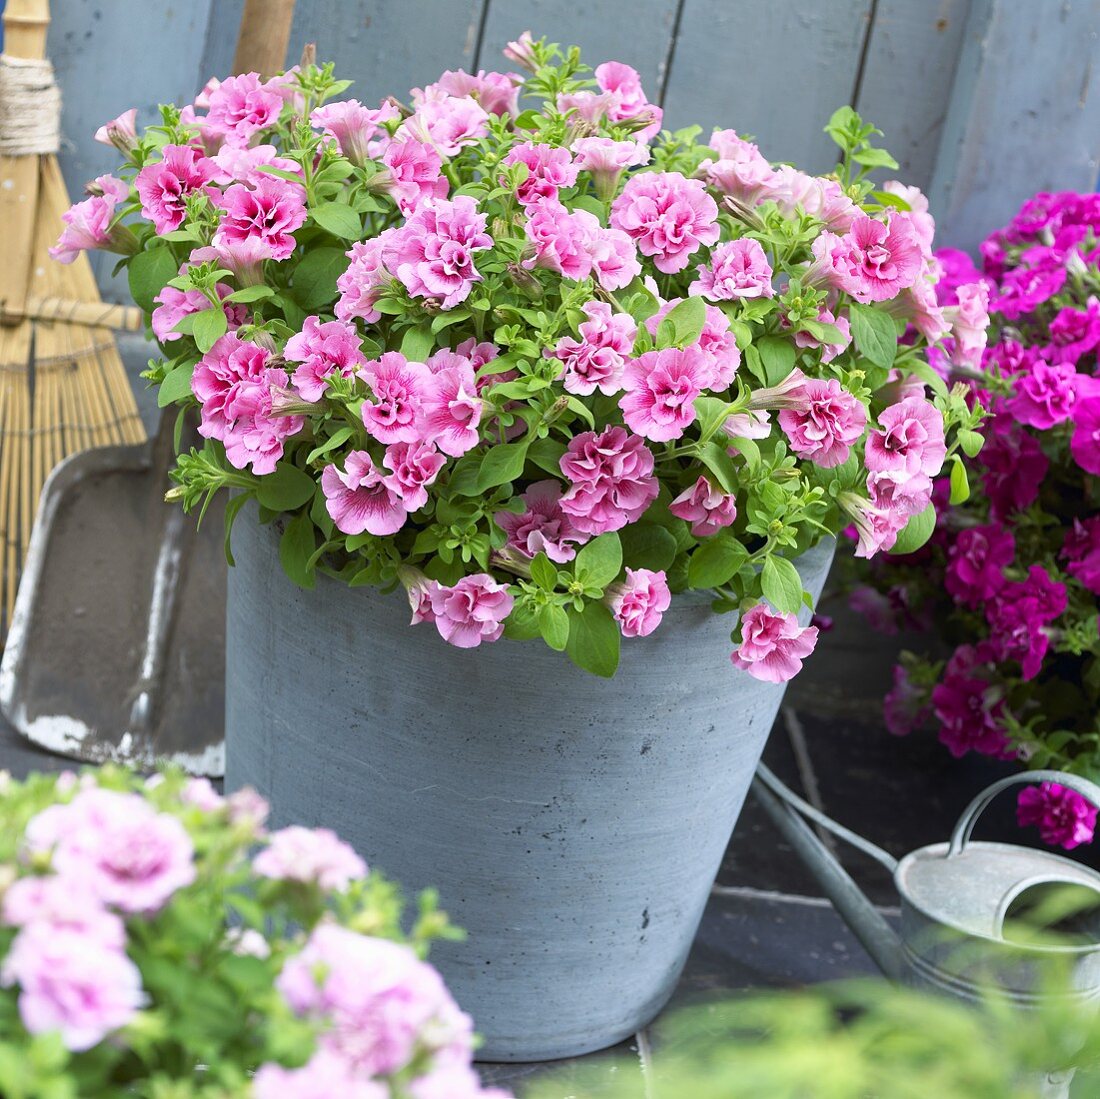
(965, 828)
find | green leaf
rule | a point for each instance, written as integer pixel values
(232, 510)
(338, 438)
(781, 584)
(875, 158)
(971, 442)
(417, 343)
(554, 626)
(777, 355)
(685, 322)
(648, 546)
(546, 454)
(148, 274)
(296, 548)
(314, 280)
(501, 464)
(716, 560)
(523, 623)
(176, 386)
(713, 455)
(250, 293)
(543, 572)
(916, 532)
(338, 219)
(598, 563)
(286, 488)
(960, 484)
(875, 334)
(594, 640)
(209, 326)
(712, 413)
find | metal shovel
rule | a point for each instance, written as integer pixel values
(117, 644)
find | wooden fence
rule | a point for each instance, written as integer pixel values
(982, 101)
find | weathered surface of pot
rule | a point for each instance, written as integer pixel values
(572, 825)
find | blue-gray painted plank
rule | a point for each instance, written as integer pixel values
(776, 70)
(386, 47)
(905, 87)
(110, 56)
(638, 33)
(1024, 114)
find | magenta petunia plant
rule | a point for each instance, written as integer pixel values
(515, 348)
(1011, 578)
(155, 939)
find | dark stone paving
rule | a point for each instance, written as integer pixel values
(767, 925)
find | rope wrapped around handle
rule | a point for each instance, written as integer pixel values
(30, 107)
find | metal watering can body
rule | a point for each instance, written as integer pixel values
(955, 900)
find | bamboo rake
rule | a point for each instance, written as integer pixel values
(63, 386)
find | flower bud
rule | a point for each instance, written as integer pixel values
(525, 282)
(522, 52)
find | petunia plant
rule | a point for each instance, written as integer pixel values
(514, 347)
(156, 940)
(1012, 577)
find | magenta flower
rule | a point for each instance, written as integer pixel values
(970, 712)
(549, 168)
(1018, 615)
(375, 999)
(706, 508)
(976, 562)
(497, 93)
(611, 481)
(453, 410)
(242, 165)
(741, 172)
(324, 1076)
(661, 387)
(415, 465)
(1085, 442)
(1014, 466)
(120, 132)
(1075, 332)
(365, 280)
(639, 601)
(830, 424)
(627, 102)
(1064, 818)
(969, 324)
(88, 225)
(322, 349)
(173, 305)
(773, 645)
(898, 495)
(433, 252)
(241, 106)
(1027, 287)
(542, 527)
(163, 187)
(68, 903)
(448, 122)
(132, 857)
(905, 707)
(471, 611)
(910, 438)
(72, 984)
(1045, 396)
(268, 213)
(314, 855)
(738, 270)
(414, 174)
(353, 127)
(823, 199)
(615, 262)
(1082, 551)
(877, 260)
(562, 239)
(669, 217)
(358, 498)
(398, 388)
(598, 359)
(243, 257)
(606, 159)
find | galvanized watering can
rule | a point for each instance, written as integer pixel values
(959, 901)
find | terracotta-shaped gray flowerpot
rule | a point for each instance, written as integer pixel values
(573, 825)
